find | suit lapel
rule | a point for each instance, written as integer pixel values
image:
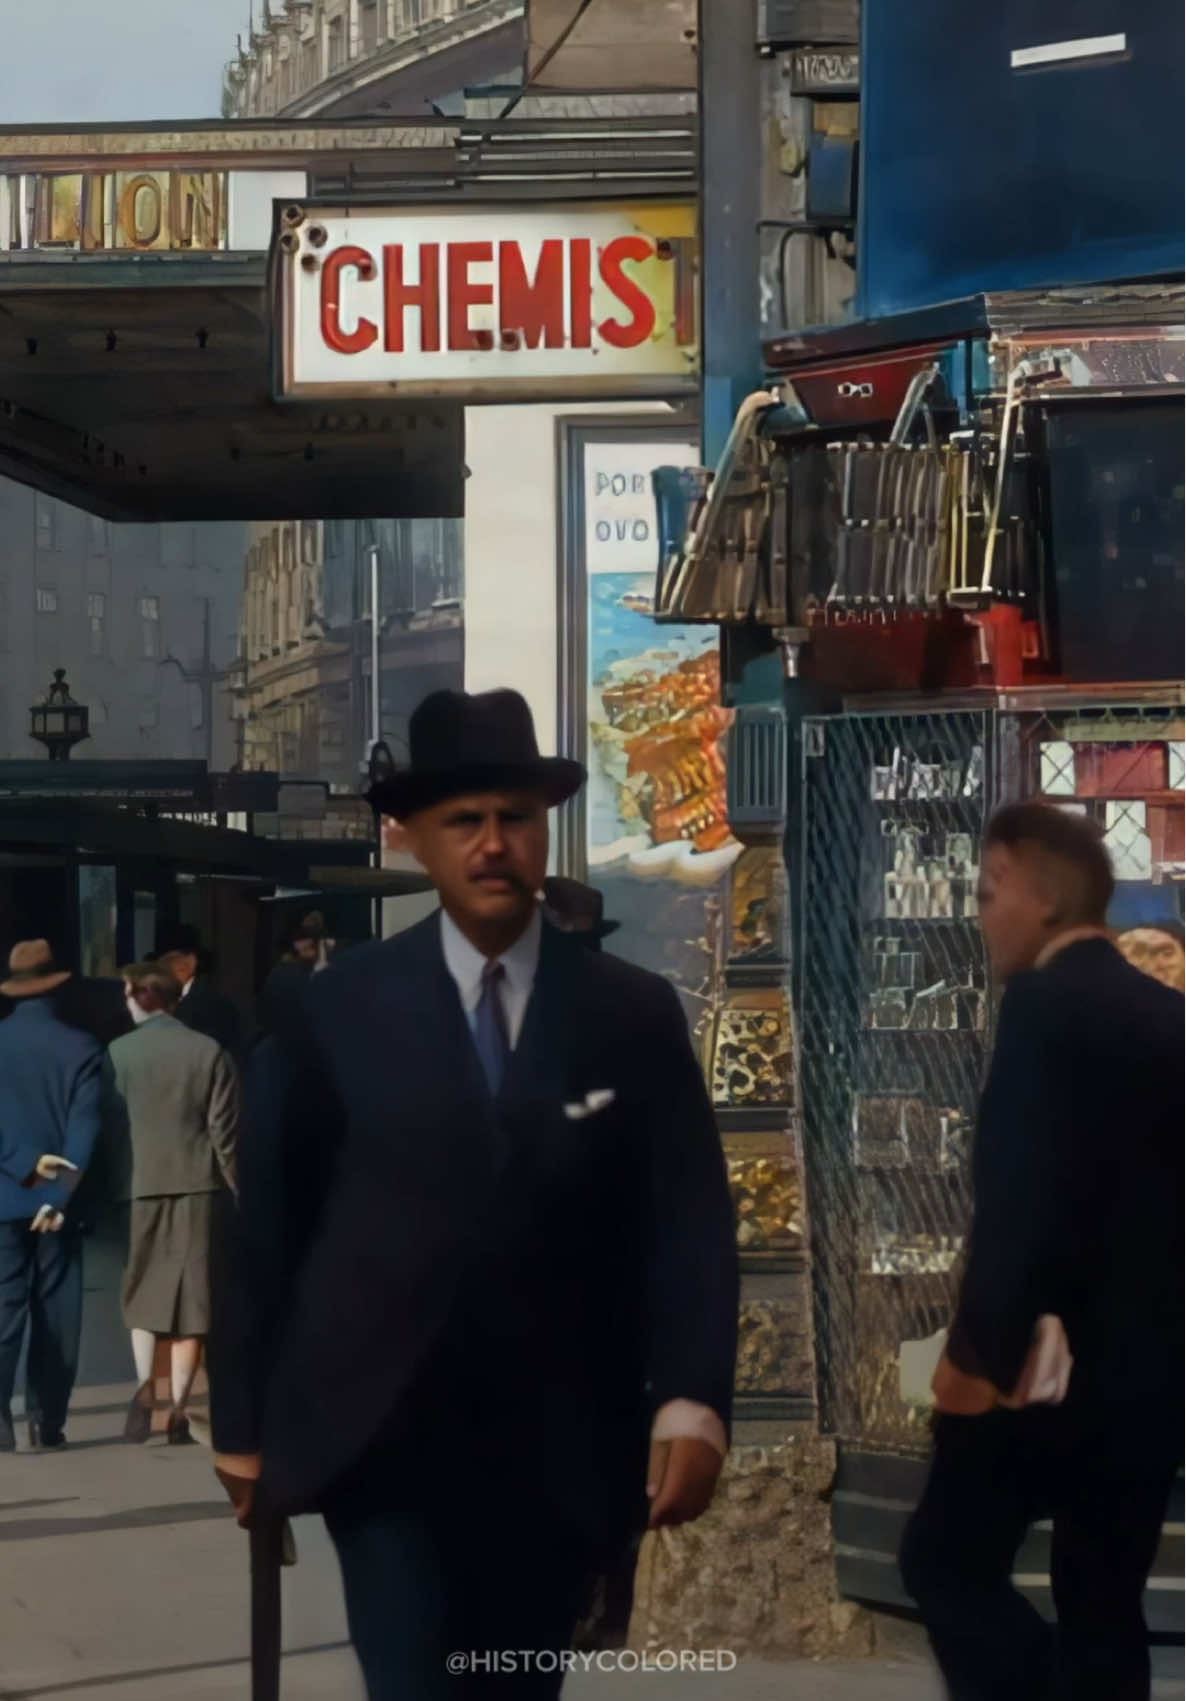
(539, 1067)
(440, 1052)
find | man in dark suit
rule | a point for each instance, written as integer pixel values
(1073, 1288)
(51, 1107)
(202, 1008)
(489, 1289)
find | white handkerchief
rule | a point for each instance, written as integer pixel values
(599, 1099)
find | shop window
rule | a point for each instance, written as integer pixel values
(97, 920)
(96, 608)
(144, 924)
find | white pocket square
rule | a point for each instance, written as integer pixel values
(600, 1099)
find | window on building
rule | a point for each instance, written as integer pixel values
(47, 600)
(197, 707)
(150, 627)
(150, 714)
(309, 542)
(47, 523)
(288, 586)
(368, 25)
(335, 45)
(96, 608)
(308, 64)
(98, 536)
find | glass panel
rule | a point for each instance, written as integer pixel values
(144, 924)
(96, 920)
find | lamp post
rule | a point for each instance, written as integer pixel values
(59, 722)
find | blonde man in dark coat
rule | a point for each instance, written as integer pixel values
(179, 1095)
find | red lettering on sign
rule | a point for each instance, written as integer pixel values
(580, 289)
(425, 295)
(532, 307)
(336, 337)
(637, 329)
(463, 294)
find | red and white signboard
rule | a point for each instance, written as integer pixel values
(489, 303)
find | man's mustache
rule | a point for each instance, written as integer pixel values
(509, 875)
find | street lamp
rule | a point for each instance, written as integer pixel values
(59, 722)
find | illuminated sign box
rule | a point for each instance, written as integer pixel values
(490, 302)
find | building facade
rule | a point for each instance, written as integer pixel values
(317, 57)
(304, 700)
(143, 618)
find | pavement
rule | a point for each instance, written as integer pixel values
(123, 1577)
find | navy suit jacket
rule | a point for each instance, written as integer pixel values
(1078, 1176)
(210, 1012)
(422, 1273)
(51, 1100)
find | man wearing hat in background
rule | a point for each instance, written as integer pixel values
(202, 1008)
(573, 907)
(51, 1100)
(487, 1291)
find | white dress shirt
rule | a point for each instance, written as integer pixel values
(678, 1419)
(467, 965)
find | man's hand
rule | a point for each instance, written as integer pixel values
(238, 1473)
(681, 1478)
(1046, 1373)
(47, 1221)
(50, 1168)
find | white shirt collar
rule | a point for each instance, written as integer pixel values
(466, 963)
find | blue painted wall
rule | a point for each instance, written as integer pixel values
(978, 177)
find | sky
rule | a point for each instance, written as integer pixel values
(90, 61)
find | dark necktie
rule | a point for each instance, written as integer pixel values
(490, 1027)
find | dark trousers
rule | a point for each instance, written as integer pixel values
(41, 1283)
(991, 1478)
(443, 1605)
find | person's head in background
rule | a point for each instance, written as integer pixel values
(180, 951)
(1044, 874)
(150, 990)
(1158, 949)
(309, 941)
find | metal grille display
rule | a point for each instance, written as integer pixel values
(893, 1035)
(894, 1003)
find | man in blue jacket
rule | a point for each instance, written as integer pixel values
(51, 1098)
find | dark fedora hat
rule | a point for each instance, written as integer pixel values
(180, 938)
(574, 907)
(458, 742)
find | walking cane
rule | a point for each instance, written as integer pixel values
(267, 1547)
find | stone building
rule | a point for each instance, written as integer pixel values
(144, 618)
(343, 57)
(304, 687)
